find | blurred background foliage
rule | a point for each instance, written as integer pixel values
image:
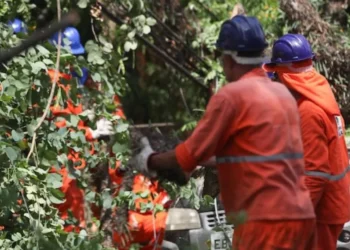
(150, 88)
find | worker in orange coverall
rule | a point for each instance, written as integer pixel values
(322, 126)
(146, 229)
(73, 194)
(252, 127)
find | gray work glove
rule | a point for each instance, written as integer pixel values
(141, 159)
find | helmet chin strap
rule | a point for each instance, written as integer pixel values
(246, 60)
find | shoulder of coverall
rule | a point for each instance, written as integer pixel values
(308, 108)
(245, 83)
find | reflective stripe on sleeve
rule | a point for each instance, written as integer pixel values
(259, 158)
(328, 176)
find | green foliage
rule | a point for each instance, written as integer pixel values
(12, 8)
(29, 190)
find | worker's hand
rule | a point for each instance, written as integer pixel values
(103, 128)
(141, 159)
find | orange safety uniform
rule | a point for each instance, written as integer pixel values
(74, 196)
(253, 128)
(326, 155)
(146, 229)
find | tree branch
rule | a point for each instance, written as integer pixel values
(53, 88)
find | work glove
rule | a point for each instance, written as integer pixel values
(141, 159)
(103, 128)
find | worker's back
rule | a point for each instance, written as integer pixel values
(327, 163)
(261, 164)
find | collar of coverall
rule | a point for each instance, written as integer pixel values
(305, 80)
(254, 73)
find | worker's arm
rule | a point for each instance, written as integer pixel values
(315, 152)
(208, 138)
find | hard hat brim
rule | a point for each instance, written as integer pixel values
(78, 51)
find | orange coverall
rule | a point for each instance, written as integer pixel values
(252, 126)
(146, 228)
(326, 156)
(143, 226)
(73, 194)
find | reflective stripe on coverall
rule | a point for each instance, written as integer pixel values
(326, 155)
(252, 126)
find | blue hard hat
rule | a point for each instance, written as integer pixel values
(242, 34)
(73, 36)
(82, 79)
(291, 48)
(18, 26)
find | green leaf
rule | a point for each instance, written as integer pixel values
(47, 230)
(127, 46)
(57, 193)
(151, 21)
(31, 189)
(63, 159)
(41, 201)
(82, 234)
(158, 208)
(90, 196)
(96, 77)
(40, 171)
(37, 66)
(107, 200)
(55, 200)
(16, 236)
(48, 62)
(146, 29)
(144, 195)
(43, 50)
(50, 155)
(142, 19)
(122, 128)
(119, 148)
(31, 128)
(17, 136)
(54, 180)
(82, 4)
(133, 45)
(74, 119)
(11, 154)
(124, 27)
(132, 34)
